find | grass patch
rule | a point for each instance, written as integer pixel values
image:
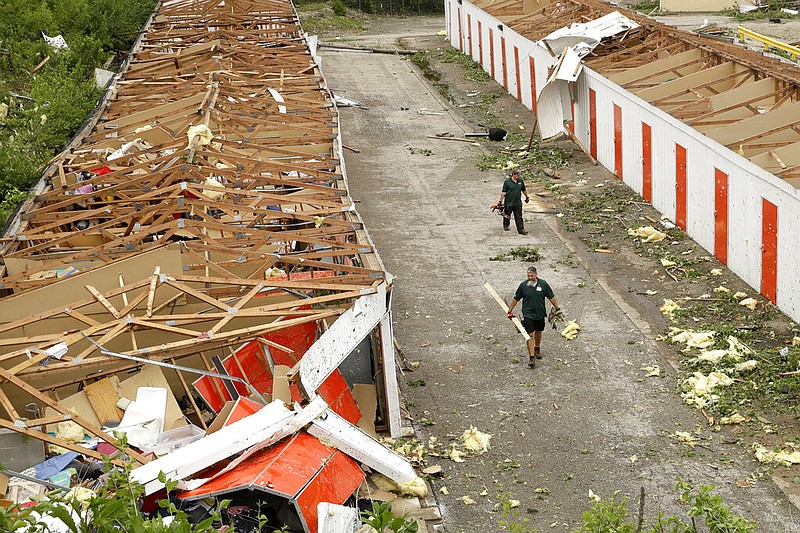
(772, 11)
(646, 6)
(327, 24)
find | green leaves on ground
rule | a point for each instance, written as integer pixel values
(530, 254)
(612, 515)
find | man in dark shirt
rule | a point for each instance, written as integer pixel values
(532, 292)
(511, 195)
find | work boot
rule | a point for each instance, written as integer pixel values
(505, 228)
(531, 362)
(523, 232)
(537, 352)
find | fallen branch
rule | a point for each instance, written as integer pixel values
(452, 139)
(354, 150)
(581, 146)
(640, 520)
(373, 50)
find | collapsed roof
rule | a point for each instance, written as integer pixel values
(200, 223)
(746, 101)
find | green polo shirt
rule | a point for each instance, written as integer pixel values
(533, 298)
(513, 191)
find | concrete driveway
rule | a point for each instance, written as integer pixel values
(587, 417)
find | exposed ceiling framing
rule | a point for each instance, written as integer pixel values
(746, 101)
(158, 245)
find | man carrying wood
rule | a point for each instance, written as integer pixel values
(511, 197)
(532, 293)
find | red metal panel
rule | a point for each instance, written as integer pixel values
(491, 52)
(250, 357)
(769, 250)
(532, 66)
(647, 163)
(504, 61)
(721, 215)
(338, 479)
(593, 123)
(301, 469)
(572, 122)
(283, 469)
(516, 72)
(338, 395)
(618, 141)
(243, 408)
(469, 33)
(680, 186)
(480, 43)
(460, 39)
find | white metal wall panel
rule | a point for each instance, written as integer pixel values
(747, 183)
(788, 245)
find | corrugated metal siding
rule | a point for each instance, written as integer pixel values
(748, 184)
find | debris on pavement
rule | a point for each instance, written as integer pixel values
(475, 440)
(692, 339)
(669, 307)
(699, 387)
(457, 455)
(647, 234)
(687, 438)
(749, 303)
(788, 456)
(570, 330)
(652, 371)
(735, 418)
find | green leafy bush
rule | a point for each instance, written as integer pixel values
(381, 519)
(611, 515)
(339, 8)
(47, 105)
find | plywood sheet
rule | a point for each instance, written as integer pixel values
(63, 292)
(103, 395)
(366, 396)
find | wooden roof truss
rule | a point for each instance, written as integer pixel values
(740, 98)
(258, 194)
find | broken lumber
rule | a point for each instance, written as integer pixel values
(394, 51)
(504, 307)
(581, 146)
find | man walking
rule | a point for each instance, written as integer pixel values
(511, 194)
(532, 292)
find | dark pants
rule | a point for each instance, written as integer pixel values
(517, 211)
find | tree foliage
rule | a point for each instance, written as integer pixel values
(46, 107)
